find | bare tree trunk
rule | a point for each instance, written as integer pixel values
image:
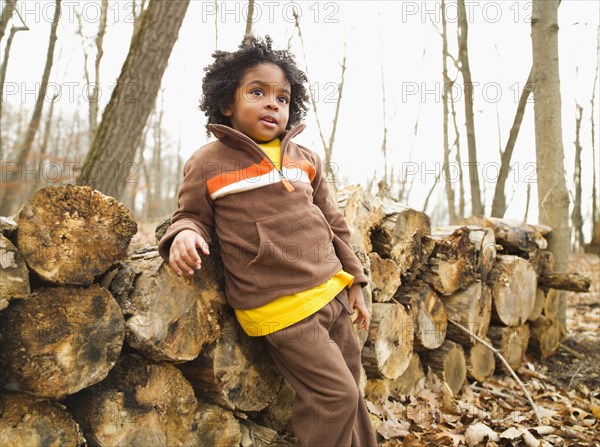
(576, 217)
(112, 152)
(593, 132)
(11, 36)
(248, 32)
(327, 146)
(553, 198)
(216, 25)
(34, 124)
(499, 202)
(461, 183)
(447, 86)
(94, 98)
(7, 12)
(463, 57)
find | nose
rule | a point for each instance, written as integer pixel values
(272, 103)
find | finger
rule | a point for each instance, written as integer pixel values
(175, 267)
(200, 242)
(181, 263)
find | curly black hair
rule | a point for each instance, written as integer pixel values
(224, 75)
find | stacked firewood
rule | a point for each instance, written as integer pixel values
(113, 347)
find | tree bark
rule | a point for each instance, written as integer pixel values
(60, 340)
(447, 87)
(516, 238)
(248, 32)
(111, 155)
(576, 217)
(463, 57)
(566, 281)
(7, 12)
(553, 198)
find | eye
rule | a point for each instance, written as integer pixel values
(283, 99)
(257, 92)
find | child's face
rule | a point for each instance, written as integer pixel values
(261, 105)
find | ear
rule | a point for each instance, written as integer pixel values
(227, 111)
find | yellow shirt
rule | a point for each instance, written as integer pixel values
(289, 309)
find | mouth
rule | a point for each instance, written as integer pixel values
(269, 120)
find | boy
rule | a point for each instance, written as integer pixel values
(290, 272)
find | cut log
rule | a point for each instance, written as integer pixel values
(449, 364)
(236, 371)
(512, 342)
(513, 282)
(480, 362)
(169, 317)
(472, 308)
(546, 336)
(574, 282)
(538, 306)
(27, 420)
(542, 262)
(407, 381)
(217, 427)
(60, 340)
(14, 276)
(141, 403)
(70, 234)
(428, 314)
(403, 235)
(389, 346)
(461, 256)
(516, 238)
(385, 278)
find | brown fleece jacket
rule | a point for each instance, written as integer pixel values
(279, 232)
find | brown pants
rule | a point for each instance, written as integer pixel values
(320, 358)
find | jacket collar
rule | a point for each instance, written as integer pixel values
(237, 140)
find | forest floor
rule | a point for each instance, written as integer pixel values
(565, 389)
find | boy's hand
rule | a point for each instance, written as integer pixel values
(183, 256)
(357, 301)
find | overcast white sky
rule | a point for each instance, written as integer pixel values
(398, 35)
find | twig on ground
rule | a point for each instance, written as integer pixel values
(510, 370)
(573, 376)
(572, 351)
(497, 393)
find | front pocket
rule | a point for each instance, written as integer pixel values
(295, 248)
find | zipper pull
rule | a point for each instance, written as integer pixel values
(287, 185)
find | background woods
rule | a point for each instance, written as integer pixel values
(499, 133)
